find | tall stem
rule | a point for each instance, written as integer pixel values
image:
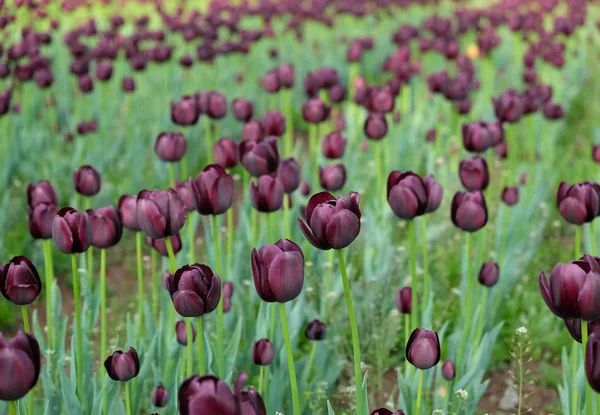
(12, 407)
(419, 393)
(413, 272)
(588, 390)
(290, 359)
(467, 298)
(172, 174)
(311, 359)
(286, 216)
(103, 338)
(230, 235)
(25, 313)
(171, 253)
(577, 241)
(140, 278)
(90, 251)
(155, 282)
(200, 341)
(127, 398)
(354, 330)
(49, 283)
(379, 190)
(191, 241)
(190, 345)
(406, 337)
(574, 367)
(207, 137)
(184, 168)
(269, 227)
(592, 239)
(481, 315)
(426, 277)
(77, 303)
(260, 380)
(220, 347)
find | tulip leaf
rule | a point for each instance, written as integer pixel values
(232, 349)
(109, 389)
(71, 403)
(41, 339)
(365, 396)
(330, 410)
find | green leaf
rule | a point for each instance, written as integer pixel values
(330, 410)
(71, 403)
(232, 349)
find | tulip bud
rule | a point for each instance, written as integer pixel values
(217, 106)
(260, 158)
(128, 84)
(578, 203)
(502, 149)
(41, 218)
(354, 52)
(510, 195)
(404, 300)
(19, 281)
(186, 61)
(85, 84)
(20, 360)
(185, 111)
(469, 211)
(474, 174)
(226, 152)
(316, 330)
(181, 333)
(270, 82)
(242, 109)
(266, 194)
(104, 70)
(212, 190)
(253, 131)
(263, 352)
(161, 246)
(273, 123)
(448, 370)
(407, 194)
(227, 295)
(431, 135)
(423, 349)
(106, 227)
(160, 213)
(315, 111)
(286, 75)
(334, 145)
(553, 111)
(488, 274)
(479, 136)
(382, 100)
(332, 177)
(170, 146)
(71, 231)
(508, 106)
(127, 207)
(86, 181)
(160, 397)
(385, 411)
(288, 174)
(305, 188)
(375, 126)
(592, 361)
(123, 366)
(42, 192)
(195, 290)
(336, 93)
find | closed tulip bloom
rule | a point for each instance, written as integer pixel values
(127, 206)
(508, 106)
(260, 158)
(71, 231)
(212, 190)
(242, 109)
(170, 146)
(195, 290)
(184, 190)
(20, 361)
(41, 218)
(481, 135)
(273, 123)
(407, 194)
(226, 152)
(469, 211)
(161, 246)
(510, 195)
(474, 174)
(104, 70)
(336, 93)
(123, 366)
(217, 106)
(270, 82)
(592, 361)
(502, 149)
(316, 330)
(160, 397)
(128, 84)
(85, 84)
(334, 145)
(431, 135)
(553, 111)
(315, 111)
(19, 281)
(382, 100)
(435, 193)
(404, 300)
(107, 228)
(185, 111)
(287, 75)
(263, 352)
(160, 213)
(572, 290)
(266, 194)
(227, 295)
(86, 181)
(288, 174)
(181, 333)
(384, 411)
(423, 349)
(578, 203)
(253, 131)
(41, 192)
(489, 274)
(332, 177)
(375, 126)
(448, 370)
(331, 223)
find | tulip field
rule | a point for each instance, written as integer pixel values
(328, 207)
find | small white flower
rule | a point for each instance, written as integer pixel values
(456, 291)
(522, 331)
(246, 283)
(309, 263)
(437, 412)
(309, 289)
(462, 394)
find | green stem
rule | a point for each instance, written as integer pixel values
(127, 398)
(354, 330)
(171, 253)
(207, 137)
(90, 252)
(574, 367)
(467, 298)
(140, 278)
(254, 226)
(48, 275)
(220, 346)
(184, 168)
(413, 272)
(25, 319)
(172, 174)
(103, 338)
(230, 235)
(588, 390)
(481, 315)
(12, 407)
(77, 303)
(272, 321)
(577, 241)
(311, 359)
(592, 238)
(200, 340)
(426, 277)
(290, 359)
(419, 393)
(155, 282)
(269, 227)
(379, 167)
(260, 379)
(189, 347)
(286, 216)
(191, 241)
(406, 337)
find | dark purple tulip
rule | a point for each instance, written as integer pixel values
(334, 145)
(226, 152)
(160, 213)
(266, 194)
(242, 109)
(572, 291)
(161, 246)
(43, 78)
(305, 188)
(278, 271)
(489, 274)
(128, 206)
(20, 360)
(375, 126)
(107, 228)
(86, 181)
(288, 174)
(42, 192)
(263, 352)
(104, 70)
(502, 149)
(315, 111)
(170, 146)
(508, 106)
(382, 100)
(354, 52)
(273, 123)
(41, 218)
(181, 333)
(336, 93)
(123, 366)
(431, 135)
(212, 190)
(20, 282)
(510, 195)
(469, 211)
(474, 174)
(332, 177)
(185, 111)
(448, 370)
(578, 203)
(217, 106)
(270, 82)
(260, 158)
(316, 330)
(331, 223)
(407, 194)
(195, 290)
(596, 153)
(592, 361)
(287, 75)
(553, 111)
(385, 411)
(85, 83)
(253, 131)
(404, 300)
(186, 61)
(160, 397)
(71, 231)
(227, 294)
(435, 193)
(423, 349)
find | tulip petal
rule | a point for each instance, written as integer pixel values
(342, 229)
(286, 276)
(188, 304)
(309, 236)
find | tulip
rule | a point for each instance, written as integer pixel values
(315, 111)
(86, 181)
(195, 290)
(20, 361)
(596, 153)
(332, 177)
(217, 106)
(260, 158)
(423, 349)
(160, 213)
(226, 152)
(253, 131)
(160, 397)
(334, 145)
(375, 126)
(20, 282)
(489, 273)
(404, 300)
(382, 100)
(227, 294)
(510, 195)
(578, 203)
(474, 174)
(502, 149)
(273, 123)
(184, 190)
(71, 231)
(128, 84)
(181, 333)
(42, 192)
(242, 109)
(263, 352)
(384, 411)
(435, 193)
(286, 75)
(127, 207)
(479, 136)
(288, 174)
(469, 211)
(592, 362)
(508, 106)
(431, 135)
(41, 218)
(407, 194)
(104, 70)
(278, 271)
(448, 370)
(553, 111)
(336, 93)
(123, 366)
(185, 111)
(170, 146)
(266, 194)
(212, 190)
(161, 247)
(85, 83)
(316, 330)
(106, 227)
(270, 82)
(572, 290)
(331, 223)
